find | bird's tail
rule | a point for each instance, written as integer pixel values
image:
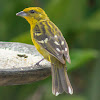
(60, 80)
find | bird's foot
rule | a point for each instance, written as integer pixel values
(37, 64)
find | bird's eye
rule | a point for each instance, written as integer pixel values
(32, 11)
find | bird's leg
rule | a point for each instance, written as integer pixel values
(37, 64)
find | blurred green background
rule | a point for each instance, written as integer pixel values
(79, 21)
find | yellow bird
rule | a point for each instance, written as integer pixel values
(51, 44)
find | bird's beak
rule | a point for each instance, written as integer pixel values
(22, 14)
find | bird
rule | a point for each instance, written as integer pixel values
(50, 43)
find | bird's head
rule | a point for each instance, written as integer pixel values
(33, 14)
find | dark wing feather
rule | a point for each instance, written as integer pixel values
(50, 38)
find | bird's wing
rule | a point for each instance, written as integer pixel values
(51, 39)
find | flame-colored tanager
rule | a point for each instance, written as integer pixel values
(51, 44)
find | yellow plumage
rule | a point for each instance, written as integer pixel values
(51, 44)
